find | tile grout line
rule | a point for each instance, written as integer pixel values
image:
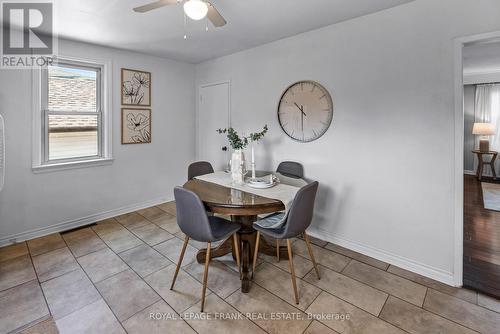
(187, 273)
(303, 277)
(131, 230)
(36, 321)
(34, 270)
(120, 321)
(295, 306)
(162, 299)
(378, 289)
(357, 307)
(354, 279)
(29, 248)
(234, 292)
(341, 272)
(304, 257)
(304, 311)
(378, 317)
(446, 318)
(428, 287)
(225, 300)
(338, 253)
(117, 254)
(143, 279)
(347, 265)
(241, 312)
(425, 297)
(435, 314)
(95, 287)
(350, 260)
(308, 327)
(319, 321)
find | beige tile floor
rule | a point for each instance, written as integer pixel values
(114, 277)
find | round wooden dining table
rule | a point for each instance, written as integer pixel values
(243, 207)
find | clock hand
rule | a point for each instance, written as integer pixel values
(302, 120)
(301, 108)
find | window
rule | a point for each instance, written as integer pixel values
(73, 115)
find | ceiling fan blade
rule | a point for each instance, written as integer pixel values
(154, 5)
(214, 16)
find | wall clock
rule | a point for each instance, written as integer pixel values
(305, 111)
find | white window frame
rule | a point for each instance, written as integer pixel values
(41, 162)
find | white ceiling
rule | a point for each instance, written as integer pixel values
(482, 58)
(160, 32)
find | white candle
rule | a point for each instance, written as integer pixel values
(253, 163)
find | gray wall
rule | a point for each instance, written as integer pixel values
(139, 175)
(469, 101)
(386, 165)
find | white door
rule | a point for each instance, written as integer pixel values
(213, 114)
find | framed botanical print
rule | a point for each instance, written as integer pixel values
(136, 88)
(136, 126)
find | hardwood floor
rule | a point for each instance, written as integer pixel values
(481, 241)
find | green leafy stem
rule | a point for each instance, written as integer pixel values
(239, 143)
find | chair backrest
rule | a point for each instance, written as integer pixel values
(301, 213)
(191, 215)
(291, 169)
(199, 168)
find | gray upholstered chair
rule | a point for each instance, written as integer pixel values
(291, 169)
(197, 225)
(199, 168)
(298, 220)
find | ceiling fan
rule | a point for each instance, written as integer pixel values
(194, 9)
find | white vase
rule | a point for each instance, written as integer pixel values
(238, 169)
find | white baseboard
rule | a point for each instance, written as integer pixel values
(71, 224)
(469, 172)
(416, 267)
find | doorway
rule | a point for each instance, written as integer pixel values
(213, 113)
(480, 124)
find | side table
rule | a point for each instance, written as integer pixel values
(481, 164)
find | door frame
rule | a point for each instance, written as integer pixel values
(197, 115)
(458, 170)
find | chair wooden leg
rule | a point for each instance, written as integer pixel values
(309, 249)
(256, 252)
(292, 270)
(278, 249)
(237, 252)
(181, 257)
(205, 276)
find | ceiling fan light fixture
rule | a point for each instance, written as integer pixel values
(196, 9)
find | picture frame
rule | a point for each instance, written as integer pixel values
(135, 126)
(135, 88)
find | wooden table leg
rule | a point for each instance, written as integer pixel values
(247, 241)
(247, 236)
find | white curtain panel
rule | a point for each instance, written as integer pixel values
(487, 110)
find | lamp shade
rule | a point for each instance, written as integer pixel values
(196, 9)
(484, 129)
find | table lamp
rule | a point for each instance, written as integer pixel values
(484, 130)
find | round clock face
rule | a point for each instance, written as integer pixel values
(305, 111)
